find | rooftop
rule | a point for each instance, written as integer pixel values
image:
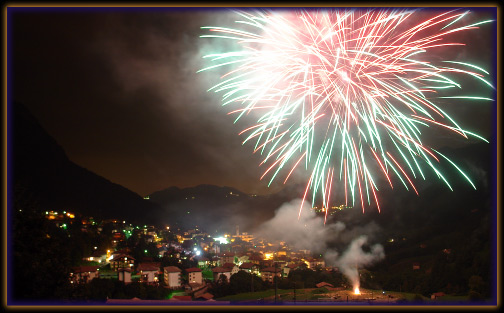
(172, 269)
(193, 269)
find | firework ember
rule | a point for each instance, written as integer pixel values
(345, 93)
(357, 291)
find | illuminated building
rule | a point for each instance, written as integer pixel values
(149, 272)
(267, 274)
(84, 274)
(194, 275)
(172, 276)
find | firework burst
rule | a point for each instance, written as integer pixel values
(344, 93)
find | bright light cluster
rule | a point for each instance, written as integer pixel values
(344, 92)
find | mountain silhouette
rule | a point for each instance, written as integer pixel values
(219, 209)
(40, 169)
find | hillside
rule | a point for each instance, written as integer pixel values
(449, 233)
(219, 209)
(40, 170)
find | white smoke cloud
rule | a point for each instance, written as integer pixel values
(355, 257)
(301, 231)
(306, 230)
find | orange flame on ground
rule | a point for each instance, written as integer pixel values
(357, 291)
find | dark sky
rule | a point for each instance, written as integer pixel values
(118, 90)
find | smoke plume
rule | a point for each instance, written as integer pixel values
(305, 230)
(355, 257)
(302, 230)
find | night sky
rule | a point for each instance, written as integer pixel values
(118, 90)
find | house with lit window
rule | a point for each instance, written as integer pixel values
(119, 252)
(171, 275)
(268, 274)
(314, 263)
(122, 261)
(149, 272)
(194, 275)
(250, 267)
(227, 257)
(84, 274)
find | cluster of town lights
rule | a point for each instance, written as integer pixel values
(52, 214)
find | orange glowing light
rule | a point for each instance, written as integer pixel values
(357, 291)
